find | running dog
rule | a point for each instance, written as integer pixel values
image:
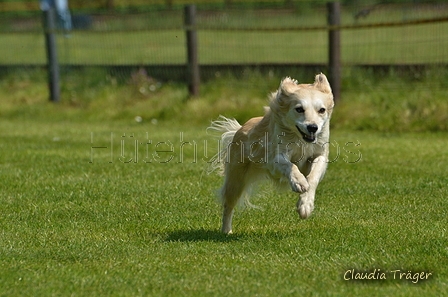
(289, 145)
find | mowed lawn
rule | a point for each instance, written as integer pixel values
(79, 218)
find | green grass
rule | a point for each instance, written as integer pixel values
(71, 227)
(150, 227)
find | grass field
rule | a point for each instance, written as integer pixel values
(150, 226)
(97, 203)
(86, 213)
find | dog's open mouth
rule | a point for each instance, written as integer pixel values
(308, 138)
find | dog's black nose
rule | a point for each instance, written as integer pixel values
(312, 128)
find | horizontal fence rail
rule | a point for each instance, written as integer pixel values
(200, 27)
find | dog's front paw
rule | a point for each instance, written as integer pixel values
(305, 208)
(298, 183)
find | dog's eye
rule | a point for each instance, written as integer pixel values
(300, 109)
(322, 110)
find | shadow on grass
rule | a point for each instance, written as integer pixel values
(200, 235)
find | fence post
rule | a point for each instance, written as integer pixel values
(193, 77)
(52, 55)
(334, 48)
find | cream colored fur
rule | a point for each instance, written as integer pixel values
(289, 145)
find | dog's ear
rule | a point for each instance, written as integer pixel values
(322, 84)
(280, 98)
(286, 89)
(287, 86)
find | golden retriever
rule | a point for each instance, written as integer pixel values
(289, 145)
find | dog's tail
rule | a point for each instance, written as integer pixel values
(226, 129)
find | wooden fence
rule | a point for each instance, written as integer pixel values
(193, 69)
(189, 70)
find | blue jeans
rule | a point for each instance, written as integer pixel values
(61, 6)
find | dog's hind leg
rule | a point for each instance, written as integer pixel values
(231, 193)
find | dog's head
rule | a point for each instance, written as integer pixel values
(304, 108)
